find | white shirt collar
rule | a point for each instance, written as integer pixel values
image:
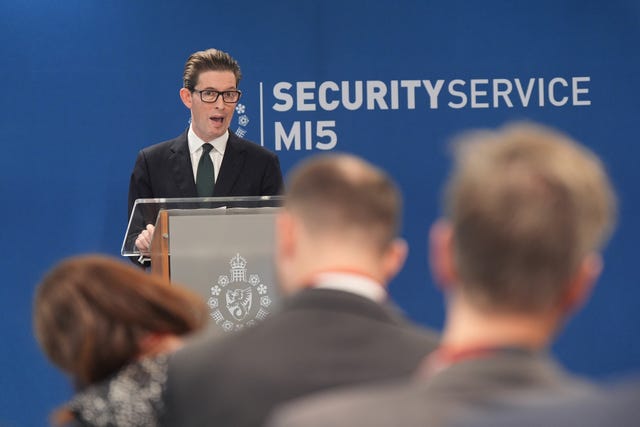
(195, 143)
(353, 283)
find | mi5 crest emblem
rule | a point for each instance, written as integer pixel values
(237, 300)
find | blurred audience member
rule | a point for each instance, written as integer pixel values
(612, 406)
(109, 326)
(337, 248)
(527, 213)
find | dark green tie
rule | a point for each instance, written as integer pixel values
(205, 179)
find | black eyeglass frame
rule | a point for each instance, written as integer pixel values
(218, 93)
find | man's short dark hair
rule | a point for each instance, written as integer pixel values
(208, 60)
(343, 193)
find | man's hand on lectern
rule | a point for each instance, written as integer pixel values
(143, 241)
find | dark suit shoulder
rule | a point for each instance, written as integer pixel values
(164, 147)
(252, 148)
(326, 319)
(347, 302)
(319, 339)
(249, 170)
(477, 384)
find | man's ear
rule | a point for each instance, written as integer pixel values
(286, 247)
(185, 96)
(441, 258)
(394, 258)
(582, 283)
(285, 233)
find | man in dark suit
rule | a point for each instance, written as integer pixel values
(527, 212)
(614, 405)
(206, 160)
(336, 251)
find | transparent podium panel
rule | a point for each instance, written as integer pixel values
(145, 211)
(220, 248)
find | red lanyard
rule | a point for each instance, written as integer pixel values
(443, 357)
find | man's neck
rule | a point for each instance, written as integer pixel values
(306, 268)
(199, 140)
(469, 327)
(349, 280)
(340, 260)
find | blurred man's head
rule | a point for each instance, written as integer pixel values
(340, 213)
(527, 212)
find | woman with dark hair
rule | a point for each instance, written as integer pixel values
(110, 326)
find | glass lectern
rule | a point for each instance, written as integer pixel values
(221, 248)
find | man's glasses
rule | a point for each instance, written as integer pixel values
(211, 96)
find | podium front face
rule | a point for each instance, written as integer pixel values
(220, 248)
(226, 256)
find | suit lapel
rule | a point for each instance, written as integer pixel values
(231, 167)
(182, 171)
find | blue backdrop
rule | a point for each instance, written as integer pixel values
(86, 84)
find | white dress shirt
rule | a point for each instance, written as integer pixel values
(217, 153)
